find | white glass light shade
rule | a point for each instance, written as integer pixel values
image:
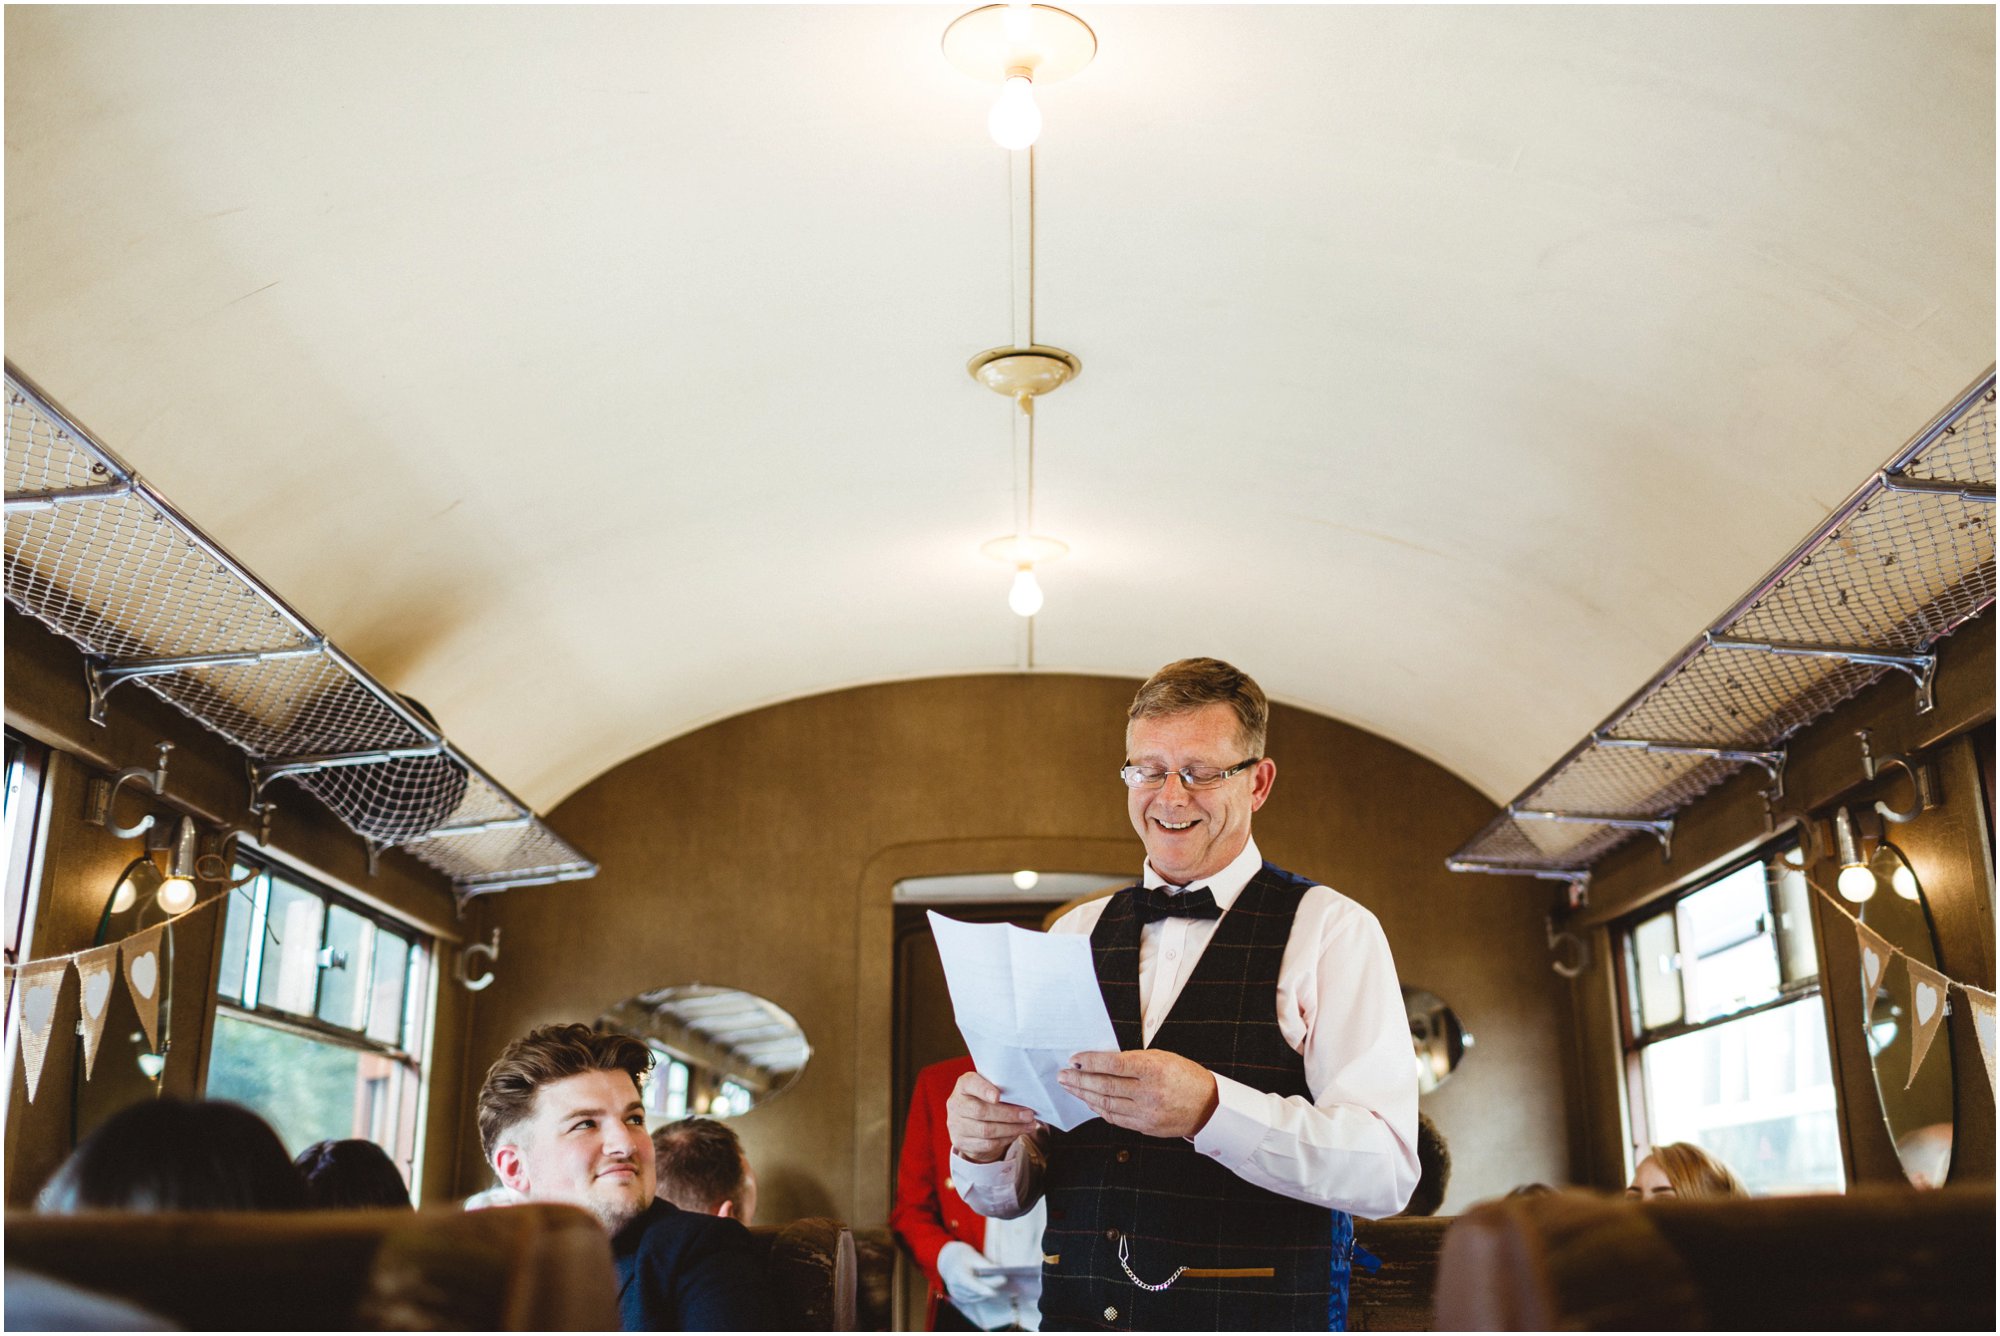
(1015, 120)
(1903, 882)
(1856, 883)
(176, 895)
(1025, 597)
(124, 897)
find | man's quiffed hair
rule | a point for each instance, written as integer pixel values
(545, 1054)
(1189, 684)
(699, 1163)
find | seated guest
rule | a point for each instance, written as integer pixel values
(170, 1155)
(701, 1167)
(350, 1174)
(1683, 1169)
(560, 1120)
(497, 1195)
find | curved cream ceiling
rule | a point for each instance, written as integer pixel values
(592, 374)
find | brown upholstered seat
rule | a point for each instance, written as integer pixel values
(525, 1268)
(1401, 1294)
(1876, 1260)
(812, 1271)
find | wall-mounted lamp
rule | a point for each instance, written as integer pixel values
(1856, 882)
(177, 892)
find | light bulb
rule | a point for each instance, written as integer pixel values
(1025, 880)
(1856, 883)
(124, 897)
(1903, 882)
(1015, 119)
(1025, 598)
(176, 895)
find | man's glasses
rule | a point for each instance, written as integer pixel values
(1192, 777)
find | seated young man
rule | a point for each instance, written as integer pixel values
(701, 1167)
(561, 1120)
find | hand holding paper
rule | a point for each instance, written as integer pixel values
(1025, 1002)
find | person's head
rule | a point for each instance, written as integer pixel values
(1200, 717)
(1682, 1169)
(1433, 1169)
(171, 1155)
(702, 1167)
(350, 1174)
(560, 1119)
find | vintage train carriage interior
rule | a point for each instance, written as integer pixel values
(616, 513)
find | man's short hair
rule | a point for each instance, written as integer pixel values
(1189, 684)
(544, 1055)
(699, 1163)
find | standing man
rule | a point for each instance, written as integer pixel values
(1263, 1092)
(701, 1167)
(978, 1269)
(560, 1119)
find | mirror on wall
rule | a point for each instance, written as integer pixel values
(720, 1051)
(1919, 1117)
(1437, 1036)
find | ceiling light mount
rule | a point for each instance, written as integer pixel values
(1025, 373)
(995, 42)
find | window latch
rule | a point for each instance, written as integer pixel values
(330, 959)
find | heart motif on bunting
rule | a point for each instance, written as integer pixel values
(143, 978)
(96, 991)
(1927, 1000)
(38, 991)
(38, 1004)
(145, 973)
(1876, 953)
(94, 969)
(1927, 994)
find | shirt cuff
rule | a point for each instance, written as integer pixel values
(1235, 1129)
(965, 1174)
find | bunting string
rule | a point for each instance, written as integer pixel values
(1930, 989)
(35, 987)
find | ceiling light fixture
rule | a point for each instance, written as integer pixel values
(1018, 46)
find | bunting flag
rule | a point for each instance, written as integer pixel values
(1982, 1025)
(142, 978)
(1928, 991)
(37, 989)
(95, 970)
(1876, 953)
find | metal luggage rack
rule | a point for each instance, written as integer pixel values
(100, 557)
(1899, 565)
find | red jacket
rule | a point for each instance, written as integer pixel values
(928, 1213)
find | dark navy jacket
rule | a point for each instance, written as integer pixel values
(682, 1271)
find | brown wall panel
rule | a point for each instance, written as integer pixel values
(759, 853)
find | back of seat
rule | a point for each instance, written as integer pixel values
(525, 1268)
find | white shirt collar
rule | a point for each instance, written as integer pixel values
(1225, 885)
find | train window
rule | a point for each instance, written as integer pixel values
(321, 1020)
(1726, 1035)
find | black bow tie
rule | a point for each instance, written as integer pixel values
(1152, 903)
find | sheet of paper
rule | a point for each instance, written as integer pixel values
(1025, 1002)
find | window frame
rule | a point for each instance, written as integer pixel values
(1634, 1040)
(418, 1005)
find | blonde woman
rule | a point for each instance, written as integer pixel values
(1683, 1169)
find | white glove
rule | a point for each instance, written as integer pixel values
(955, 1264)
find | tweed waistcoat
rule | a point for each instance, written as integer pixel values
(1167, 1203)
